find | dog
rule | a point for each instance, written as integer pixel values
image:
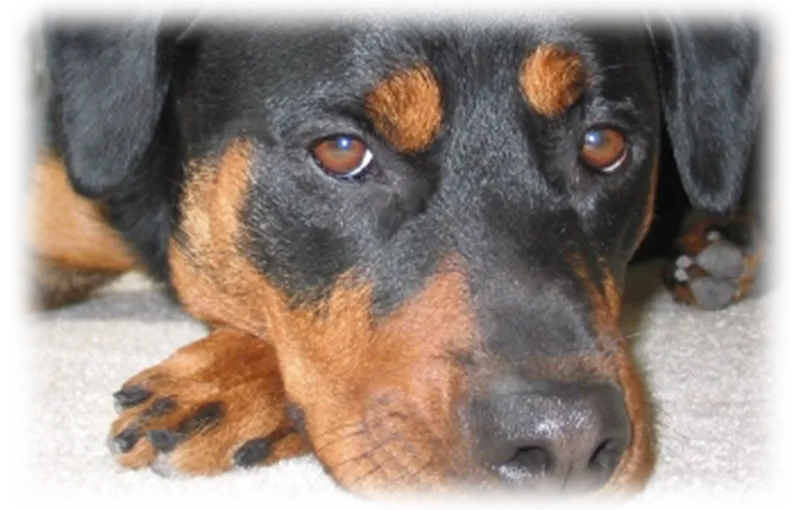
(409, 240)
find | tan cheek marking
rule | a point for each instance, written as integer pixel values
(335, 359)
(606, 301)
(552, 79)
(651, 200)
(69, 230)
(212, 277)
(217, 283)
(406, 108)
(638, 460)
(339, 366)
(438, 313)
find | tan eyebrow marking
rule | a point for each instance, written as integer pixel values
(552, 78)
(406, 108)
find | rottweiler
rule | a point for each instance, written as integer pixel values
(408, 239)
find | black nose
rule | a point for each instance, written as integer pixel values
(562, 437)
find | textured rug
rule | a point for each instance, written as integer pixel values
(707, 373)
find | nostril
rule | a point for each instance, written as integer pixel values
(606, 457)
(561, 437)
(534, 458)
(528, 462)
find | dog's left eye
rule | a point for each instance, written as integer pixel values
(342, 156)
(604, 149)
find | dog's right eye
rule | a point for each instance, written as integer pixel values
(604, 149)
(342, 156)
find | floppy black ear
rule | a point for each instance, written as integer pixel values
(711, 86)
(110, 84)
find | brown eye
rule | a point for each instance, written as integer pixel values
(342, 156)
(604, 149)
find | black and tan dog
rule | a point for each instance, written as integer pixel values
(409, 240)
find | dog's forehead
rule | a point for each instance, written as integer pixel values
(348, 60)
(429, 91)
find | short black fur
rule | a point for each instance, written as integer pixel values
(500, 185)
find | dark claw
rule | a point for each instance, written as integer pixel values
(129, 397)
(160, 407)
(164, 440)
(206, 416)
(252, 452)
(127, 439)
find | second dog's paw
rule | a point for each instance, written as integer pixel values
(715, 265)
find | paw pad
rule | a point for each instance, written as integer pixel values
(722, 259)
(712, 276)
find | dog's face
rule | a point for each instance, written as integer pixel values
(431, 225)
(432, 228)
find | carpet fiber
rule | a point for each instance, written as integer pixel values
(706, 372)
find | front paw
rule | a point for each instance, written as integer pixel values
(716, 264)
(213, 406)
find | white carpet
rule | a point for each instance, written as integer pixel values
(708, 373)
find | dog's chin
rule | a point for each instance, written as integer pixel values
(384, 460)
(384, 476)
(387, 466)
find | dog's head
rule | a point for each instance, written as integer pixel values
(431, 224)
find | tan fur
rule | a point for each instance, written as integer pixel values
(74, 249)
(55, 285)
(551, 79)
(71, 230)
(232, 368)
(406, 108)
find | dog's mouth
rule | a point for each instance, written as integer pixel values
(391, 445)
(410, 403)
(428, 424)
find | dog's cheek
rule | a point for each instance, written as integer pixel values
(605, 296)
(647, 218)
(369, 386)
(341, 336)
(637, 462)
(212, 277)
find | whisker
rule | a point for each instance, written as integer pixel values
(362, 427)
(621, 65)
(340, 433)
(410, 476)
(362, 455)
(376, 467)
(633, 334)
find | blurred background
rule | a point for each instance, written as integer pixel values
(21, 69)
